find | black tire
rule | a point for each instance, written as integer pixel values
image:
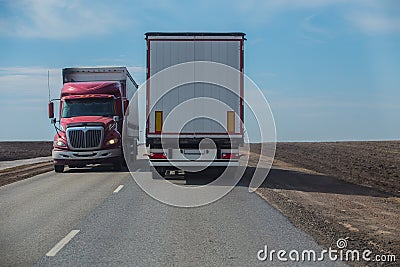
(58, 168)
(158, 172)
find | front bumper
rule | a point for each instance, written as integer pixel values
(86, 157)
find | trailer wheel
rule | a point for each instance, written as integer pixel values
(58, 168)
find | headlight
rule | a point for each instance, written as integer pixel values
(112, 141)
(59, 143)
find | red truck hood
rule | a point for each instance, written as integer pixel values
(86, 120)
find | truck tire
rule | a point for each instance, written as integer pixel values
(58, 168)
(158, 172)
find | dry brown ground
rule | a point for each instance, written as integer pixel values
(312, 185)
(374, 164)
(24, 150)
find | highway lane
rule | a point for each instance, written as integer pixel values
(131, 229)
(37, 212)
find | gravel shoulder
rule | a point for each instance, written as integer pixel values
(15, 174)
(365, 210)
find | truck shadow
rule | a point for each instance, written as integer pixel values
(294, 180)
(94, 169)
(279, 179)
(141, 164)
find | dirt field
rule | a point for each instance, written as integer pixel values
(339, 190)
(372, 164)
(24, 150)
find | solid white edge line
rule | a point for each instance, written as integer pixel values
(118, 188)
(52, 252)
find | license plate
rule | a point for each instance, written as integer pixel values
(192, 152)
(85, 154)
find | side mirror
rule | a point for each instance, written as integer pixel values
(51, 110)
(116, 118)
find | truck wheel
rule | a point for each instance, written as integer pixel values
(158, 172)
(58, 168)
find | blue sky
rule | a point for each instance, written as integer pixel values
(329, 69)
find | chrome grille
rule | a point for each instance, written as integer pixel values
(85, 137)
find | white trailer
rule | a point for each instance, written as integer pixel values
(176, 148)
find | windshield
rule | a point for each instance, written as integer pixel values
(88, 107)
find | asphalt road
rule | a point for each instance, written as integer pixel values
(129, 228)
(37, 212)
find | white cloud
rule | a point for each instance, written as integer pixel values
(33, 70)
(28, 82)
(282, 5)
(309, 26)
(313, 32)
(31, 82)
(263, 10)
(375, 23)
(367, 16)
(23, 101)
(60, 19)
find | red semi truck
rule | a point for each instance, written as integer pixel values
(93, 104)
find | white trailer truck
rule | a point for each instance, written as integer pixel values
(182, 148)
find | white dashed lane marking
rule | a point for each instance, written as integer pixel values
(52, 252)
(118, 189)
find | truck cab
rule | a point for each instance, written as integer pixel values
(91, 120)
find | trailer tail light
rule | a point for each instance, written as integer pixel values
(231, 121)
(159, 121)
(157, 156)
(230, 155)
